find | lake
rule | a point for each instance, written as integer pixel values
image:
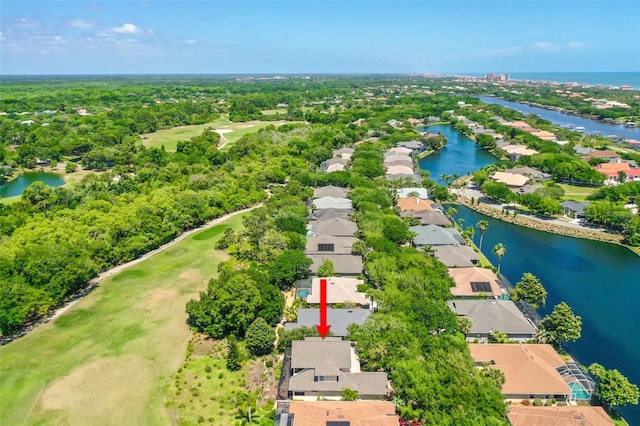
(600, 281)
(460, 156)
(15, 187)
(562, 119)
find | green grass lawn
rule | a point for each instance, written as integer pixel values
(576, 193)
(111, 357)
(203, 391)
(232, 132)
(10, 200)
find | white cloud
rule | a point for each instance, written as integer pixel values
(502, 51)
(546, 46)
(26, 23)
(191, 41)
(81, 23)
(126, 29)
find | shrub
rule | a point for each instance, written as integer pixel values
(537, 402)
(526, 402)
(207, 369)
(269, 363)
(548, 403)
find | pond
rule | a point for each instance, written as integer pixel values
(15, 187)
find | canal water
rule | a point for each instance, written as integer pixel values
(600, 281)
(15, 187)
(562, 119)
(460, 156)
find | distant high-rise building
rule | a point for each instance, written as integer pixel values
(497, 77)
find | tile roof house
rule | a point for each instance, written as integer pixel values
(339, 319)
(530, 370)
(398, 150)
(324, 367)
(582, 415)
(428, 217)
(512, 180)
(432, 235)
(611, 170)
(414, 204)
(397, 157)
(335, 226)
(328, 164)
(335, 168)
(338, 413)
(456, 256)
(330, 191)
(344, 264)
(329, 244)
(399, 170)
(340, 203)
(473, 282)
(609, 156)
(488, 316)
(530, 172)
(405, 163)
(339, 290)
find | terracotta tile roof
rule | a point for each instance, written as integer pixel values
(463, 278)
(558, 416)
(358, 413)
(601, 154)
(414, 204)
(528, 368)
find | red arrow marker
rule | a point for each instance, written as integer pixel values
(323, 328)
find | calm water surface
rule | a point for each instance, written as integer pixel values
(15, 187)
(561, 119)
(460, 156)
(600, 281)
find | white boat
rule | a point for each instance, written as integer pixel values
(579, 129)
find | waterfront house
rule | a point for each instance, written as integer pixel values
(530, 370)
(512, 180)
(574, 208)
(456, 256)
(338, 413)
(415, 146)
(428, 217)
(397, 157)
(324, 367)
(530, 172)
(404, 163)
(488, 316)
(432, 235)
(582, 415)
(339, 290)
(612, 172)
(339, 319)
(330, 191)
(344, 264)
(473, 282)
(329, 244)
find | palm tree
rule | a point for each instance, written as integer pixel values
(482, 227)
(451, 213)
(499, 250)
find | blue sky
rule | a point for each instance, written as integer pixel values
(463, 36)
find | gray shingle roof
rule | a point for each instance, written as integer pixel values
(322, 214)
(428, 217)
(432, 235)
(344, 264)
(453, 256)
(341, 245)
(339, 319)
(490, 315)
(330, 191)
(332, 203)
(335, 226)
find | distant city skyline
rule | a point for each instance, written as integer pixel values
(304, 37)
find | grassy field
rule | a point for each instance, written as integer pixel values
(229, 132)
(111, 357)
(10, 200)
(204, 391)
(576, 193)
